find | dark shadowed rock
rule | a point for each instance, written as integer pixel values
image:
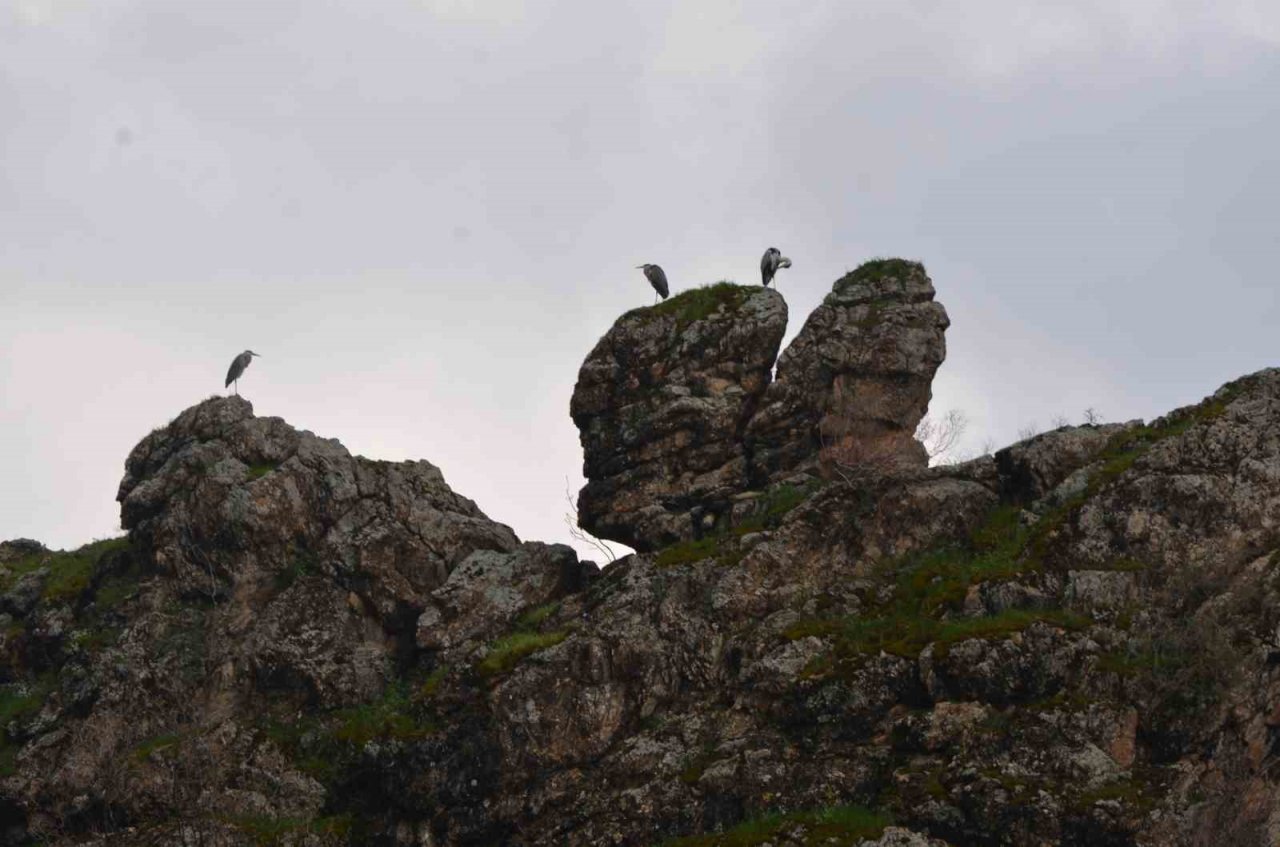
(853, 385)
(660, 405)
(1031, 469)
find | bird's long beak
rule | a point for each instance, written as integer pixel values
(638, 267)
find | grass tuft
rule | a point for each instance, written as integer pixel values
(267, 831)
(770, 508)
(261, 469)
(696, 304)
(391, 717)
(879, 269)
(70, 571)
(507, 652)
(145, 750)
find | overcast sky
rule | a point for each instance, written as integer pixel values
(424, 214)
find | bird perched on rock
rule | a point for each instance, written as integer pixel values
(770, 262)
(238, 364)
(657, 279)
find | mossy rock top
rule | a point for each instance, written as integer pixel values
(884, 279)
(696, 304)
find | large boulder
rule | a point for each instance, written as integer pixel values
(852, 387)
(682, 428)
(660, 405)
(220, 497)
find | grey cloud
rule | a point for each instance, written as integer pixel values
(424, 214)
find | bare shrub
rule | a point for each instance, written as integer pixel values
(579, 534)
(861, 463)
(940, 436)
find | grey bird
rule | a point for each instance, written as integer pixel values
(770, 263)
(238, 364)
(657, 279)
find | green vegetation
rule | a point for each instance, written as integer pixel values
(70, 571)
(687, 552)
(773, 505)
(908, 634)
(168, 741)
(328, 744)
(770, 508)
(432, 683)
(836, 824)
(929, 587)
(261, 469)
(95, 639)
(696, 303)
(268, 831)
(506, 652)
(19, 701)
(1128, 791)
(391, 717)
(880, 268)
(534, 617)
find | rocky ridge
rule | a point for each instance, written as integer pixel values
(1075, 641)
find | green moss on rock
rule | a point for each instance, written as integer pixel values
(696, 304)
(506, 653)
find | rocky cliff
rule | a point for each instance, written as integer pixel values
(1074, 641)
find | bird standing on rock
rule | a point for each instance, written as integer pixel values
(770, 263)
(238, 364)
(657, 279)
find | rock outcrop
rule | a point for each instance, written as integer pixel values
(661, 403)
(1073, 642)
(680, 422)
(856, 381)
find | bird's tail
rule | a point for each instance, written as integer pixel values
(784, 262)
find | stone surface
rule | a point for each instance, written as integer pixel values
(660, 404)
(853, 385)
(678, 417)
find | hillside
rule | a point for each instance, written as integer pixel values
(821, 641)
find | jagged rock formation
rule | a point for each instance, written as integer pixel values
(1072, 642)
(268, 571)
(854, 384)
(661, 403)
(679, 420)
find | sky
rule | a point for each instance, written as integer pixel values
(424, 213)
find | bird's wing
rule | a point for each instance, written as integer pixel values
(766, 267)
(660, 282)
(233, 372)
